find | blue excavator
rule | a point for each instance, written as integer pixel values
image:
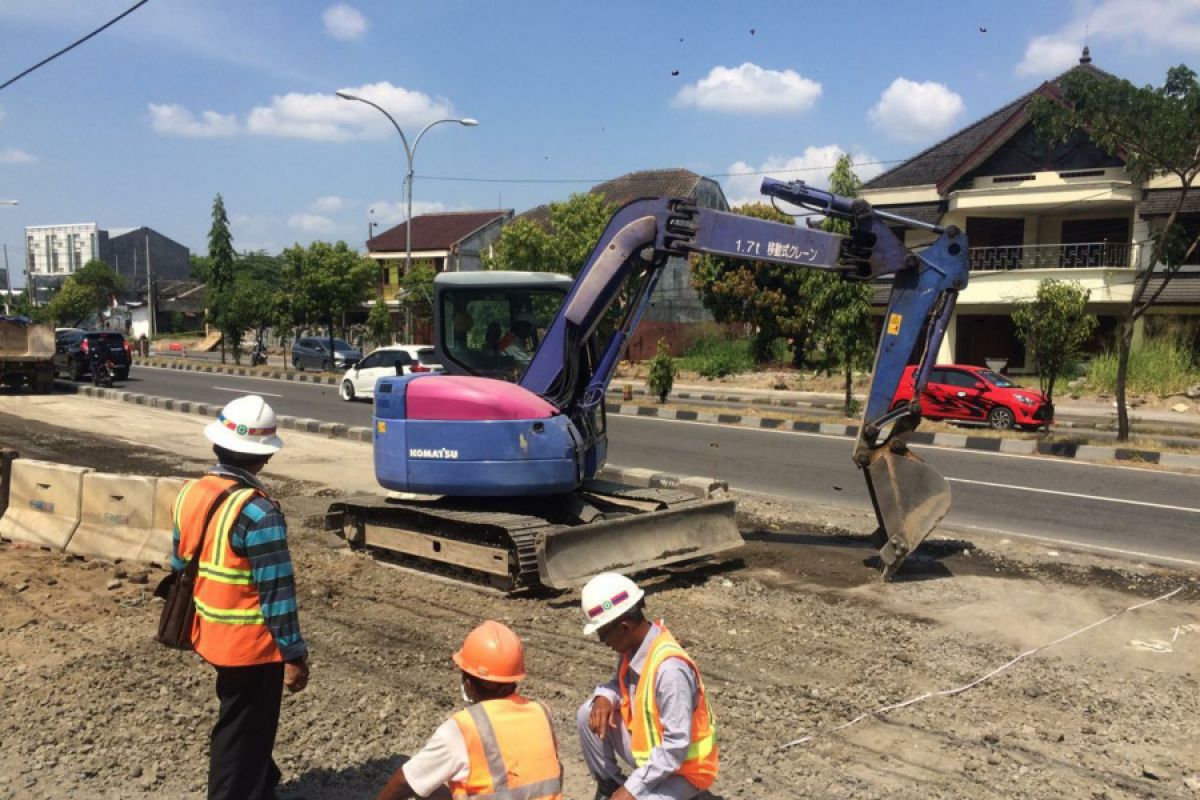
(494, 469)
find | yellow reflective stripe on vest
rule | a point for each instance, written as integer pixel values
(230, 616)
(241, 577)
(225, 522)
(697, 749)
(187, 487)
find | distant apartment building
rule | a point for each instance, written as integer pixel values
(54, 252)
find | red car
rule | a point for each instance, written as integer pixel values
(976, 394)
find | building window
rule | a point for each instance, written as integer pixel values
(387, 276)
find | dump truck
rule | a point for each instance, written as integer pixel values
(26, 354)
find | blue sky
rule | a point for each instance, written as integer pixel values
(145, 123)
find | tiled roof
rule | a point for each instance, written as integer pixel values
(1161, 202)
(435, 231)
(1183, 289)
(921, 212)
(619, 191)
(933, 164)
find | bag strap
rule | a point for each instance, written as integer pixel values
(194, 564)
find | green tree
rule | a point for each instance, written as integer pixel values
(199, 267)
(220, 270)
(661, 378)
(771, 298)
(1056, 327)
(840, 309)
(327, 280)
(416, 298)
(88, 291)
(1156, 132)
(379, 323)
(71, 305)
(563, 245)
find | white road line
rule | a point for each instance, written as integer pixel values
(1065, 462)
(1075, 494)
(243, 391)
(956, 526)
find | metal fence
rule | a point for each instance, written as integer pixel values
(1051, 256)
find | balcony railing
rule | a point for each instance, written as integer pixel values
(1051, 256)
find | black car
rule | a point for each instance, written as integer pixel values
(71, 352)
(313, 351)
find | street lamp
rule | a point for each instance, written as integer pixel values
(9, 203)
(410, 152)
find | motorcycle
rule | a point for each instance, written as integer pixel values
(258, 355)
(102, 372)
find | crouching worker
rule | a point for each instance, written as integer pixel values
(654, 714)
(501, 745)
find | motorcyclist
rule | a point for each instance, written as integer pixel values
(100, 356)
(258, 355)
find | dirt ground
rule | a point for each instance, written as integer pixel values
(795, 635)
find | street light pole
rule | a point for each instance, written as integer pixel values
(409, 152)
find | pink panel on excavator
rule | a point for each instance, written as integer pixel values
(463, 397)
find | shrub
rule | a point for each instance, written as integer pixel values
(662, 371)
(716, 356)
(1160, 366)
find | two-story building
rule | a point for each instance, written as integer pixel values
(454, 241)
(1033, 211)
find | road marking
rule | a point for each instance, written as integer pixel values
(187, 373)
(243, 391)
(1065, 462)
(955, 526)
(1075, 494)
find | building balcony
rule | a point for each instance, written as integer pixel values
(1051, 256)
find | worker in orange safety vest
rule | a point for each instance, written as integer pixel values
(246, 624)
(501, 745)
(654, 714)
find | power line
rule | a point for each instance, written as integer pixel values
(76, 43)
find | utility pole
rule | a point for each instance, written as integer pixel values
(7, 281)
(150, 291)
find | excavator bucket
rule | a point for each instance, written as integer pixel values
(568, 557)
(910, 499)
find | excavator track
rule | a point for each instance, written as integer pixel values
(521, 544)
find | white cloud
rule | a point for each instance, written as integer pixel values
(329, 204)
(750, 89)
(813, 167)
(326, 117)
(311, 223)
(344, 22)
(175, 120)
(916, 112)
(388, 214)
(1137, 27)
(12, 155)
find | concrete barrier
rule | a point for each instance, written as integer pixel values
(115, 517)
(44, 503)
(157, 548)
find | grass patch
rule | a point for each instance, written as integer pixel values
(1161, 366)
(714, 356)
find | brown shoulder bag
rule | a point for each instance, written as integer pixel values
(179, 608)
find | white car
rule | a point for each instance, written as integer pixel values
(396, 359)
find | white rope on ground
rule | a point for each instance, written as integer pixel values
(959, 690)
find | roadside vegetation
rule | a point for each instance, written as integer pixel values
(1162, 365)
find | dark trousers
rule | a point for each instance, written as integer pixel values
(240, 766)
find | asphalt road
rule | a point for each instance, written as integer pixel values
(1152, 514)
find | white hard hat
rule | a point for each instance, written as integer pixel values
(606, 597)
(246, 425)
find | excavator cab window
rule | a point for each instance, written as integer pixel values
(494, 332)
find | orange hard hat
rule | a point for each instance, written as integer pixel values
(493, 653)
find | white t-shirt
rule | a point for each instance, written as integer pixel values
(442, 759)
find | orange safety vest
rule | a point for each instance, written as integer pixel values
(228, 629)
(511, 751)
(645, 726)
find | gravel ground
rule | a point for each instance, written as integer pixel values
(795, 635)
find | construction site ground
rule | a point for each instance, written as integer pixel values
(794, 635)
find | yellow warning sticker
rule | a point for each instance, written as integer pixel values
(380, 426)
(894, 321)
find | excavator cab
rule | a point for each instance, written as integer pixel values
(489, 324)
